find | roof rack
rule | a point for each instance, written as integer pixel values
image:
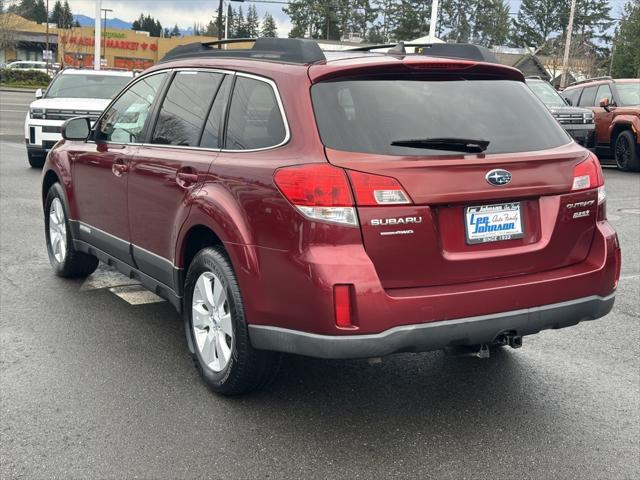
(594, 79)
(466, 51)
(534, 77)
(291, 50)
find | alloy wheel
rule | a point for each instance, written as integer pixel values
(212, 322)
(623, 151)
(57, 230)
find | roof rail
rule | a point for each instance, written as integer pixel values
(594, 79)
(534, 77)
(466, 51)
(291, 50)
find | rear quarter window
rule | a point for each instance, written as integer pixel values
(255, 119)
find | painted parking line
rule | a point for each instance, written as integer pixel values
(107, 278)
(136, 295)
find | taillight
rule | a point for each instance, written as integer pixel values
(618, 259)
(588, 174)
(319, 191)
(373, 190)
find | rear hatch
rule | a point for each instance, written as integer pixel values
(469, 215)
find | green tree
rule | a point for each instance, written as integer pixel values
(57, 14)
(149, 24)
(626, 43)
(67, 16)
(269, 27)
(536, 21)
(490, 22)
(253, 22)
(240, 29)
(40, 12)
(176, 31)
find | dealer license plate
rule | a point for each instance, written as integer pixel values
(493, 223)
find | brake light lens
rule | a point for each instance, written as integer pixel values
(319, 191)
(588, 174)
(373, 190)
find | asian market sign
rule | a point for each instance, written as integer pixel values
(110, 43)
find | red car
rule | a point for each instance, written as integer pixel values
(335, 205)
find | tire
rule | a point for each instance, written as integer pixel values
(216, 325)
(65, 260)
(35, 161)
(626, 152)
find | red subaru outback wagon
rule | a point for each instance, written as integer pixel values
(335, 205)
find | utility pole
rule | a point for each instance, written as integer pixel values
(434, 20)
(98, 34)
(567, 46)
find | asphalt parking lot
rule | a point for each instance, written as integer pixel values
(99, 384)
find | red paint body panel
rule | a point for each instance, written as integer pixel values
(287, 265)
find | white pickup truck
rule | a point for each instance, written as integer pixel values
(72, 93)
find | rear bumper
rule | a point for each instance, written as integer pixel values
(435, 335)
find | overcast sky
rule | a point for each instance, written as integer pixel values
(185, 12)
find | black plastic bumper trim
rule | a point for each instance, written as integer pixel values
(433, 335)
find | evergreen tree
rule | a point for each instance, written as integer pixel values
(212, 29)
(537, 20)
(67, 20)
(239, 25)
(27, 9)
(149, 24)
(57, 14)
(253, 22)
(176, 31)
(40, 12)
(269, 27)
(490, 22)
(626, 43)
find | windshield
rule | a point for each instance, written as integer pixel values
(629, 93)
(86, 86)
(369, 115)
(547, 94)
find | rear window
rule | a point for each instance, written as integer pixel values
(86, 86)
(368, 115)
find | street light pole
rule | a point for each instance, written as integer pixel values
(47, 20)
(97, 36)
(434, 20)
(104, 32)
(567, 46)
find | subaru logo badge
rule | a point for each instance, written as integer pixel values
(498, 177)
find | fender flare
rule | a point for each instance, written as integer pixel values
(623, 122)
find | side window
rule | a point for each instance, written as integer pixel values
(125, 119)
(588, 98)
(213, 128)
(255, 120)
(604, 92)
(572, 95)
(185, 108)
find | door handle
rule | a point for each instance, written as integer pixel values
(186, 179)
(119, 168)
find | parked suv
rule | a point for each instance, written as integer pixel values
(338, 205)
(578, 122)
(616, 105)
(71, 93)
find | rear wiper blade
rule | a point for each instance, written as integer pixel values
(471, 145)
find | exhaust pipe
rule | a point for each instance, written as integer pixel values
(509, 338)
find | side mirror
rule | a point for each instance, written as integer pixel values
(77, 129)
(604, 103)
(39, 94)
